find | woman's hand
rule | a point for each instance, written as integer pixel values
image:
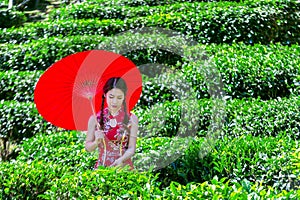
(117, 163)
(99, 135)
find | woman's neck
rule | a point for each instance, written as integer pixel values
(114, 112)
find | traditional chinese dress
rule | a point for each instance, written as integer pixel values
(116, 138)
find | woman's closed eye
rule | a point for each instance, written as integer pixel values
(120, 97)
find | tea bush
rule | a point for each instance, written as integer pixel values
(41, 54)
(46, 180)
(263, 24)
(258, 117)
(253, 116)
(257, 71)
(262, 159)
(146, 3)
(67, 148)
(104, 184)
(247, 71)
(21, 179)
(64, 148)
(221, 189)
(42, 180)
(18, 85)
(86, 10)
(20, 120)
(265, 160)
(62, 28)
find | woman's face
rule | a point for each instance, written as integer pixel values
(114, 99)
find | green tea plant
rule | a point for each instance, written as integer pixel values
(66, 148)
(18, 85)
(263, 24)
(257, 159)
(247, 71)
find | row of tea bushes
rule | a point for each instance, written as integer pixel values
(271, 161)
(94, 11)
(42, 180)
(219, 189)
(40, 54)
(18, 85)
(65, 147)
(246, 116)
(255, 117)
(263, 24)
(146, 3)
(86, 10)
(247, 71)
(257, 159)
(257, 71)
(47, 180)
(21, 120)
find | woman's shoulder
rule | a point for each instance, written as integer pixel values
(92, 118)
(134, 118)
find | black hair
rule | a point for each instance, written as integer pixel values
(114, 82)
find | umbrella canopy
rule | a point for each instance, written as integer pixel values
(71, 88)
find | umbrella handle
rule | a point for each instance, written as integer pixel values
(98, 128)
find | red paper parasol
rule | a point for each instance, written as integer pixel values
(71, 88)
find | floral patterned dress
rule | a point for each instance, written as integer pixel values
(116, 139)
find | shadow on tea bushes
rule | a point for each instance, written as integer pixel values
(257, 159)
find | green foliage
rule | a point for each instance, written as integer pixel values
(255, 117)
(252, 116)
(41, 54)
(262, 24)
(167, 119)
(18, 85)
(267, 118)
(11, 18)
(255, 49)
(257, 71)
(258, 159)
(20, 120)
(253, 163)
(221, 189)
(104, 184)
(46, 180)
(65, 148)
(86, 10)
(62, 28)
(254, 71)
(21, 179)
(145, 3)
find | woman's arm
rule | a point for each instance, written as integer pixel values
(132, 142)
(91, 141)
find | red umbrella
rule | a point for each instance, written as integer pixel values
(69, 90)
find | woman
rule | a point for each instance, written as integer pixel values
(114, 126)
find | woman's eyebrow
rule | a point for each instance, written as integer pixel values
(111, 95)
